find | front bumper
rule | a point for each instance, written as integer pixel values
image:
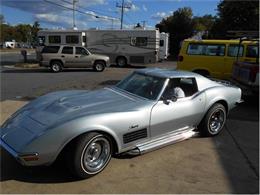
(24, 159)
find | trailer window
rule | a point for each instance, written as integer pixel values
(54, 39)
(67, 50)
(72, 39)
(41, 40)
(161, 43)
(233, 50)
(206, 49)
(139, 41)
(252, 51)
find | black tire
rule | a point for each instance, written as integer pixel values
(214, 121)
(92, 145)
(121, 61)
(56, 66)
(204, 73)
(99, 66)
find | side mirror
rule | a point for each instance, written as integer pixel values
(166, 100)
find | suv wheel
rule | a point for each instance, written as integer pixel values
(56, 66)
(99, 66)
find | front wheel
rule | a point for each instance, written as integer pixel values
(214, 121)
(90, 156)
(121, 61)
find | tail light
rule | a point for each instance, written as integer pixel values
(180, 58)
(253, 73)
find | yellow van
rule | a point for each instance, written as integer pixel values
(214, 58)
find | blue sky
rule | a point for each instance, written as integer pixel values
(53, 16)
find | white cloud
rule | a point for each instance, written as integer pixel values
(159, 15)
(145, 8)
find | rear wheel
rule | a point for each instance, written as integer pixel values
(121, 61)
(90, 155)
(99, 66)
(56, 66)
(214, 121)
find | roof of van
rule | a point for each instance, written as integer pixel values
(217, 41)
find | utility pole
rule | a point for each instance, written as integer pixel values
(123, 6)
(74, 2)
(143, 23)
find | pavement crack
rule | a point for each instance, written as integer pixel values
(251, 166)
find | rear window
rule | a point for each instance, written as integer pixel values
(50, 49)
(252, 51)
(67, 50)
(206, 49)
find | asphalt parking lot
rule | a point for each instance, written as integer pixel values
(228, 163)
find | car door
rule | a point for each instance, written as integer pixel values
(82, 57)
(168, 116)
(67, 56)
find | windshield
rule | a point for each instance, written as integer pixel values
(142, 85)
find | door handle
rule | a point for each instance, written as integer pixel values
(62, 56)
(76, 56)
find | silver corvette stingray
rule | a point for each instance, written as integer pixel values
(148, 109)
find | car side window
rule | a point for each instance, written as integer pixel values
(81, 51)
(181, 87)
(67, 50)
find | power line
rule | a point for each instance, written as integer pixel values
(82, 12)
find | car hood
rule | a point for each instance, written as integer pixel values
(54, 107)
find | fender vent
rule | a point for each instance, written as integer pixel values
(135, 135)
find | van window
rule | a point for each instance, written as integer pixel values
(54, 39)
(50, 49)
(139, 41)
(206, 49)
(67, 50)
(233, 50)
(252, 51)
(72, 39)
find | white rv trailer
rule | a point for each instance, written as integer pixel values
(122, 46)
(136, 46)
(62, 37)
(164, 46)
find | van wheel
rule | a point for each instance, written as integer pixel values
(121, 61)
(56, 66)
(99, 66)
(204, 73)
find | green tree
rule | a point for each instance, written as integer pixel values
(236, 15)
(204, 23)
(180, 26)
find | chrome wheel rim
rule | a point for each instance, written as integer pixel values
(96, 155)
(99, 67)
(216, 121)
(55, 67)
